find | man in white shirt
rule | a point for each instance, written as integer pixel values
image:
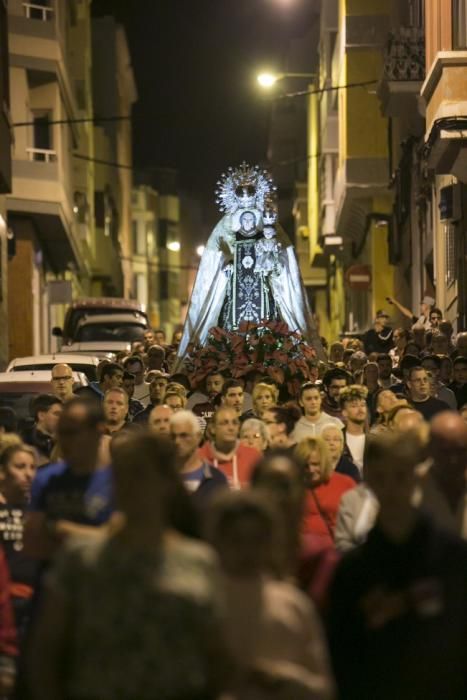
(314, 419)
(355, 413)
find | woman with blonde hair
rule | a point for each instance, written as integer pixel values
(264, 396)
(175, 400)
(324, 489)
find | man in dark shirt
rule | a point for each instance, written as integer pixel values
(334, 380)
(379, 338)
(459, 383)
(419, 394)
(134, 406)
(73, 497)
(115, 407)
(47, 410)
(398, 609)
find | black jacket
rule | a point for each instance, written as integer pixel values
(398, 618)
(43, 442)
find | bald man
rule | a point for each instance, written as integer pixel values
(159, 420)
(62, 382)
(408, 419)
(444, 488)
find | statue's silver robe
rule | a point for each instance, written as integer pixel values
(211, 282)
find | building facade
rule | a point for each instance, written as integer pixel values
(114, 93)
(69, 209)
(444, 99)
(40, 206)
(5, 180)
(156, 249)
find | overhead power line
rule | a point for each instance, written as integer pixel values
(329, 88)
(125, 166)
(101, 161)
(80, 120)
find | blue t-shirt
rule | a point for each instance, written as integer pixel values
(85, 499)
(193, 479)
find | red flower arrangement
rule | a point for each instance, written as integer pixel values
(269, 347)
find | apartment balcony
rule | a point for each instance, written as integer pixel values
(358, 183)
(40, 194)
(445, 95)
(36, 37)
(403, 73)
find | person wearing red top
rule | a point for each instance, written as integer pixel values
(226, 453)
(325, 489)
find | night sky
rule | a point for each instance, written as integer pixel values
(199, 109)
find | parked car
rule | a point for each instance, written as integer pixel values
(96, 306)
(17, 389)
(87, 364)
(110, 327)
(101, 349)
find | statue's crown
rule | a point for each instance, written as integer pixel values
(245, 186)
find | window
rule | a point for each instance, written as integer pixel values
(138, 231)
(450, 253)
(417, 13)
(99, 208)
(162, 233)
(459, 24)
(38, 9)
(42, 132)
(80, 207)
(42, 149)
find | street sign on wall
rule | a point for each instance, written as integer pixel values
(358, 277)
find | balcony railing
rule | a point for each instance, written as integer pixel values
(41, 12)
(405, 55)
(42, 155)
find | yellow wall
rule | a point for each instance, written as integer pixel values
(366, 128)
(382, 272)
(313, 181)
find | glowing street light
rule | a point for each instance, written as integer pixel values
(200, 250)
(173, 246)
(268, 80)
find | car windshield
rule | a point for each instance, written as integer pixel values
(78, 314)
(89, 370)
(111, 331)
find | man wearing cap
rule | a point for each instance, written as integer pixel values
(422, 321)
(379, 338)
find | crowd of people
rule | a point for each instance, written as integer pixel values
(232, 541)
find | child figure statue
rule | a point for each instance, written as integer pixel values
(268, 248)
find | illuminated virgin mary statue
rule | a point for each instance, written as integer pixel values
(248, 271)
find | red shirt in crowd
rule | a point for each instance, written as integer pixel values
(237, 466)
(322, 504)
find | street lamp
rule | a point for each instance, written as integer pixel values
(200, 250)
(173, 246)
(268, 80)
